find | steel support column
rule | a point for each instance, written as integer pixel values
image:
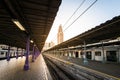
(26, 66)
(8, 54)
(22, 53)
(33, 54)
(17, 54)
(103, 52)
(118, 54)
(37, 52)
(85, 61)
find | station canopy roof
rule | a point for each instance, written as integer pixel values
(36, 16)
(104, 32)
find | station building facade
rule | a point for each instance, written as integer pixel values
(110, 53)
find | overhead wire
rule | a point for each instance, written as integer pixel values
(73, 14)
(81, 14)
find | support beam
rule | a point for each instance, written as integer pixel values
(103, 61)
(33, 54)
(118, 54)
(36, 52)
(17, 54)
(85, 61)
(22, 53)
(8, 54)
(10, 9)
(26, 66)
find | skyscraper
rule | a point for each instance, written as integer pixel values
(60, 35)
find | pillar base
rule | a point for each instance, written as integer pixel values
(8, 59)
(103, 61)
(85, 62)
(26, 67)
(33, 60)
(21, 56)
(68, 58)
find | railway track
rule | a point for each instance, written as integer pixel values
(65, 71)
(56, 72)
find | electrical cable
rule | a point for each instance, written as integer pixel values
(73, 14)
(81, 14)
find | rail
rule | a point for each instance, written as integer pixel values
(77, 72)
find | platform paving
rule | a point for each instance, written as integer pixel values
(112, 69)
(13, 70)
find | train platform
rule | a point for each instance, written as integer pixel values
(108, 68)
(13, 70)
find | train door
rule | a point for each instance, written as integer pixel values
(76, 54)
(88, 55)
(111, 56)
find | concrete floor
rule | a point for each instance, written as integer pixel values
(13, 70)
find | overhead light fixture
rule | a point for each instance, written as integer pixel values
(31, 41)
(19, 25)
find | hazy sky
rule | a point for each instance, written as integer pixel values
(100, 12)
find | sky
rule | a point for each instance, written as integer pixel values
(99, 13)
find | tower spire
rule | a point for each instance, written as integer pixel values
(60, 35)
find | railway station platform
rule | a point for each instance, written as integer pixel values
(108, 68)
(13, 69)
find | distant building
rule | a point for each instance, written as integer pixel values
(60, 35)
(48, 45)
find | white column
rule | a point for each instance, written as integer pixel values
(85, 61)
(103, 53)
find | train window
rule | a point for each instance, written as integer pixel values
(97, 53)
(82, 53)
(2, 53)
